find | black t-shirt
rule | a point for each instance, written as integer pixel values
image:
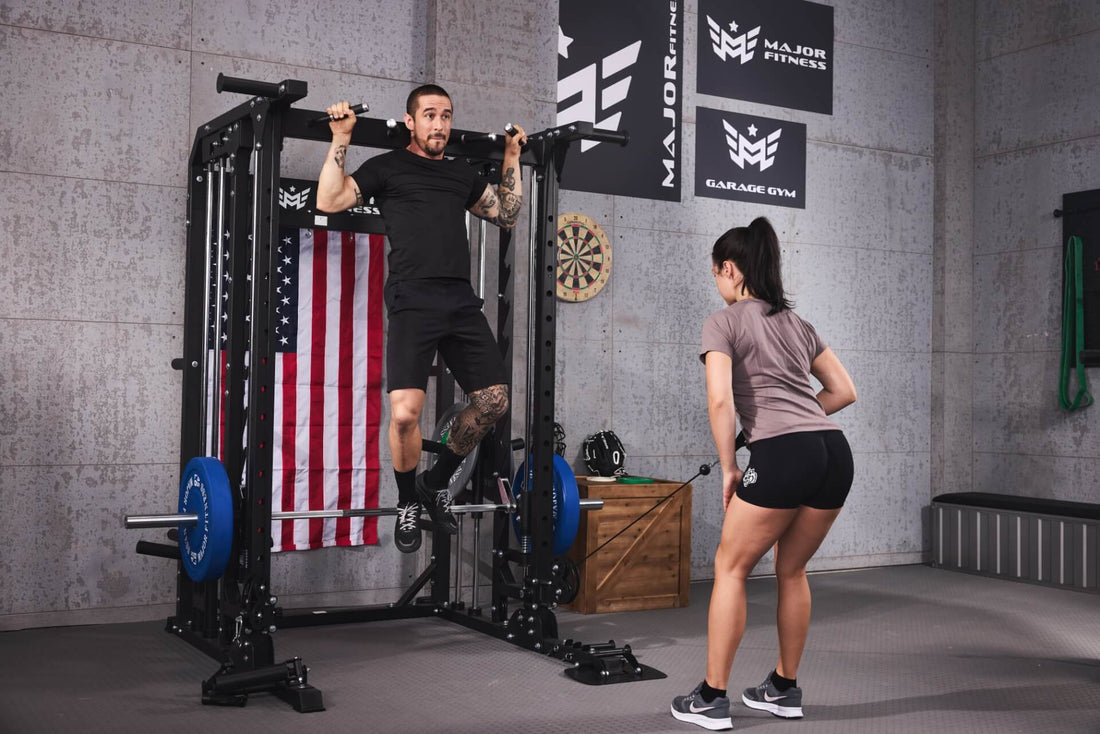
(423, 202)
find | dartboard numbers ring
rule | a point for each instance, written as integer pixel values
(584, 258)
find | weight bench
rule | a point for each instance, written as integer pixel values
(1040, 541)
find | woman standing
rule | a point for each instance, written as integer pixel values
(759, 356)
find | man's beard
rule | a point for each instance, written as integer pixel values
(432, 145)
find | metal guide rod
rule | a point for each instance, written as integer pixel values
(458, 562)
(214, 379)
(172, 520)
(255, 320)
(477, 554)
(204, 370)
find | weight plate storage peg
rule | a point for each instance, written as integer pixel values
(205, 547)
(567, 503)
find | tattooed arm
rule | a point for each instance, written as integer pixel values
(501, 207)
(337, 191)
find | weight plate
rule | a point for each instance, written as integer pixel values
(442, 430)
(205, 547)
(566, 501)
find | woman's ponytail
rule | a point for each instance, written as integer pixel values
(755, 251)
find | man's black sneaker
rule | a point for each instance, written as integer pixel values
(406, 532)
(766, 697)
(694, 710)
(438, 504)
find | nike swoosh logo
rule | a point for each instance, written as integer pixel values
(770, 699)
(695, 710)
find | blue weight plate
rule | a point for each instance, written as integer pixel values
(566, 503)
(205, 546)
(568, 514)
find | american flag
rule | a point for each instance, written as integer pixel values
(328, 375)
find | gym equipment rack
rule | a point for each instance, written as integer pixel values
(233, 222)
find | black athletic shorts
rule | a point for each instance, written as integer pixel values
(439, 314)
(811, 468)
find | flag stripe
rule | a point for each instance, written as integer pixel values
(376, 248)
(346, 365)
(286, 396)
(316, 478)
(359, 385)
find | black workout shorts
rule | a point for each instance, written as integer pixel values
(811, 468)
(439, 314)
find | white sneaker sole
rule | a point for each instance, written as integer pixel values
(704, 721)
(783, 712)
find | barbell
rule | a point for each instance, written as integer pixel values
(206, 528)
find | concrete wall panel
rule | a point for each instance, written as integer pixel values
(1008, 26)
(155, 22)
(1018, 301)
(385, 39)
(66, 548)
(1016, 408)
(486, 43)
(1038, 96)
(86, 250)
(1009, 217)
(1070, 478)
(112, 114)
(89, 393)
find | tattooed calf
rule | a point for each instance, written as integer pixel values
(486, 408)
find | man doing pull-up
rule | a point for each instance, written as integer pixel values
(431, 304)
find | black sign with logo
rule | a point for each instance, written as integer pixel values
(748, 158)
(623, 71)
(298, 208)
(778, 52)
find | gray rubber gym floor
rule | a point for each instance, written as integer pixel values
(900, 649)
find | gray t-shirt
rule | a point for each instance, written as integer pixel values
(771, 368)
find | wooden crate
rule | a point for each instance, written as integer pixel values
(649, 565)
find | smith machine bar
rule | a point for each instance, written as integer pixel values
(233, 229)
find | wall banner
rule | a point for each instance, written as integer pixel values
(778, 52)
(748, 158)
(623, 71)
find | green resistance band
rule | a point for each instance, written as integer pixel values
(1073, 329)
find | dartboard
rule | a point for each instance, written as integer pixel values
(584, 258)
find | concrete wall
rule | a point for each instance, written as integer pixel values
(1036, 137)
(102, 100)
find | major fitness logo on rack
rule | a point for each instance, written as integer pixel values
(622, 72)
(778, 53)
(747, 158)
(298, 208)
